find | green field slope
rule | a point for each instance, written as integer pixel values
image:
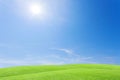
(63, 72)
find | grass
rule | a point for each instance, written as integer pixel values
(62, 72)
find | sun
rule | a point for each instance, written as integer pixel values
(36, 9)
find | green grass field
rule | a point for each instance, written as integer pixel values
(62, 72)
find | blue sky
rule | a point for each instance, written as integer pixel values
(69, 31)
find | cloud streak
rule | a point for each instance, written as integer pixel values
(52, 59)
(73, 57)
(68, 51)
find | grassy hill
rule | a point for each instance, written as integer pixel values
(63, 72)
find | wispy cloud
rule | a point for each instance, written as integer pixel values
(53, 59)
(67, 51)
(73, 57)
(67, 56)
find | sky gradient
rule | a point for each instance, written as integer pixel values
(71, 31)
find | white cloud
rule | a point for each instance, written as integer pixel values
(67, 51)
(73, 57)
(52, 59)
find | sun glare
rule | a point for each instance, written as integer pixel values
(36, 9)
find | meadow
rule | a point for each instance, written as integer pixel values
(62, 72)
